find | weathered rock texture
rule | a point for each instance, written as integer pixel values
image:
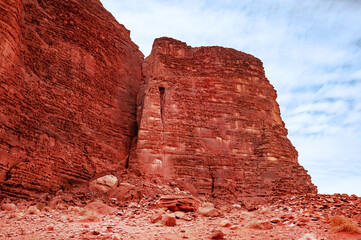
(69, 75)
(208, 116)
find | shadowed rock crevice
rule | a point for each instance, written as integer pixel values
(162, 104)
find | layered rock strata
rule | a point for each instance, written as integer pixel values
(208, 116)
(69, 76)
(73, 97)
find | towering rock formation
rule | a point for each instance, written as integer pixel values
(69, 76)
(69, 81)
(208, 116)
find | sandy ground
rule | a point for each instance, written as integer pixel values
(281, 219)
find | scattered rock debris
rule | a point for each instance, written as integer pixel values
(295, 217)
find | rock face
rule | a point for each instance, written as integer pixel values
(69, 76)
(73, 98)
(209, 116)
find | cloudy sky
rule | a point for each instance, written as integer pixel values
(311, 51)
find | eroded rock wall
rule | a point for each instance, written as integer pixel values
(73, 95)
(208, 116)
(69, 76)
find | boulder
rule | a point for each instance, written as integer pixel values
(178, 203)
(33, 210)
(169, 220)
(104, 184)
(9, 207)
(217, 234)
(225, 223)
(101, 208)
(156, 218)
(126, 192)
(209, 211)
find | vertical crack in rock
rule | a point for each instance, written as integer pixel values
(127, 162)
(8, 175)
(162, 105)
(162, 109)
(211, 173)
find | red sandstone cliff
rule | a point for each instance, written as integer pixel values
(208, 116)
(71, 92)
(69, 75)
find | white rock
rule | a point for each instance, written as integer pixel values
(209, 211)
(236, 206)
(308, 236)
(208, 205)
(104, 184)
(125, 184)
(180, 215)
(225, 223)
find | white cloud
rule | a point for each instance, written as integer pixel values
(332, 161)
(353, 118)
(321, 107)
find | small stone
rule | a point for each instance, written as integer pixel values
(330, 200)
(180, 215)
(156, 218)
(178, 203)
(308, 236)
(129, 215)
(261, 225)
(50, 228)
(218, 234)
(32, 210)
(225, 223)
(169, 220)
(236, 206)
(275, 220)
(117, 237)
(101, 208)
(301, 224)
(9, 207)
(208, 205)
(266, 225)
(234, 227)
(133, 205)
(287, 216)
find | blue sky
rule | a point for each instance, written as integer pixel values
(311, 52)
